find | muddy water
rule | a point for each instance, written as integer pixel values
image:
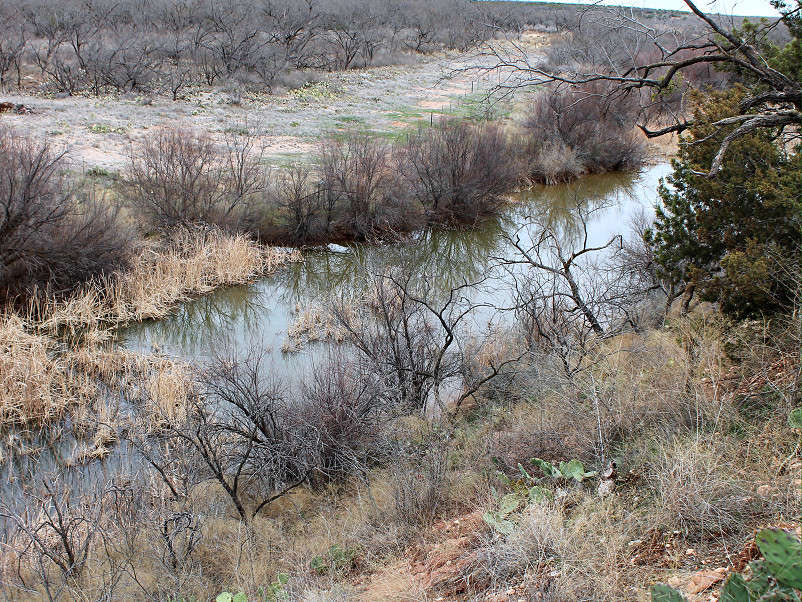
(260, 313)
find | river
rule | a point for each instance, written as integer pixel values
(260, 313)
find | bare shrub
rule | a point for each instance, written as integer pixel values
(307, 208)
(409, 335)
(569, 293)
(50, 230)
(459, 172)
(358, 178)
(49, 544)
(420, 488)
(245, 434)
(259, 442)
(14, 38)
(696, 492)
(346, 406)
(582, 130)
(179, 178)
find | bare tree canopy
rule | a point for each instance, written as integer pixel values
(635, 55)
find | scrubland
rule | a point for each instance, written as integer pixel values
(400, 467)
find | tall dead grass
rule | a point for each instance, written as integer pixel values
(161, 275)
(34, 385)
(43, 379)
(43, 375)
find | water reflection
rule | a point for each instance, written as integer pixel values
(453, 255)
(212, 317)
(54, 454)
(605, 200)
(263, 310)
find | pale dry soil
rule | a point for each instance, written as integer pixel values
(98, 132)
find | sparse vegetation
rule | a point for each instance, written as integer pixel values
(563, 421)
(175, 48)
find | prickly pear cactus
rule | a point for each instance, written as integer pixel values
(664, 593)
(547, 467)
(575, 470)
(783, 557)
(774, 578)
(779, 596)
(735, 590)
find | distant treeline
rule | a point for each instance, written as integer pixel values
(169, 46)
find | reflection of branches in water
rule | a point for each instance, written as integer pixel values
(206, 318)
(321, 272)
(456, 256)
(450, 256)
(557, 206)
(58, 450)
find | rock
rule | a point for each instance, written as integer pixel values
(609, 472)
(704, 580)
(764, 490)
(607, 481)
(606, 487)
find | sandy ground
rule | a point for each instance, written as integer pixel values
(387, 100)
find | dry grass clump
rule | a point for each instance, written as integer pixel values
(314, 322)
(639, 380)
(538, 541)
(190, 264)
(42, 379)
(336, 594)
(187, 264)
(696, 490)
(420, 489)
(161, 386)
(35, 385)
(350, 528)
(558, 553)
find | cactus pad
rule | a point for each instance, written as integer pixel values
(664, 593)
(782, 553)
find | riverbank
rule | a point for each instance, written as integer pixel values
(53, 348)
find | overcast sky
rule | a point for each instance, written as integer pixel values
(729, 7)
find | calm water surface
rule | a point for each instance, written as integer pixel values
(261, 312)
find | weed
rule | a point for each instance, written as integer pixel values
(337, 560)
(350, 119)
(102, 128)
(314, 92)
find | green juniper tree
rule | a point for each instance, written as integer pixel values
(735, 238)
